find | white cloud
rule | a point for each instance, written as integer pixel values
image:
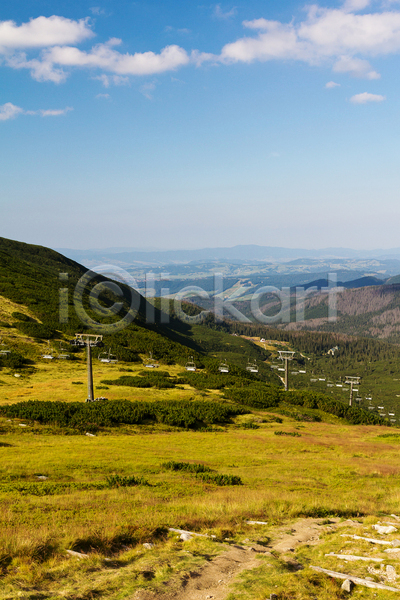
(9, 111)
(96, 10)
(336, 32)
(331, 84)
(357, 67)
(355, 5)
(56, 112)
(107, 80)
(105, 96)
(41, 70)
(220, 14)
(335, 36)
(342, 38)
(183, 30)
(366, 97)
(103, 56)
(276, 41)
(43, 32)
(147, 89)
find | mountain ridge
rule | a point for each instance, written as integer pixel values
(238, 252)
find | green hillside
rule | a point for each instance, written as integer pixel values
(30, 314)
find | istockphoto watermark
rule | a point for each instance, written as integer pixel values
(285, 302)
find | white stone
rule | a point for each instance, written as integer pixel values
(391, 573)
(347, 585)
(383, 529)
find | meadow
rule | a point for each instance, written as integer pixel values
(328, 469)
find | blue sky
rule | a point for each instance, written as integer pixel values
(183, 125)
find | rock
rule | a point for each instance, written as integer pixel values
(390, 573)
(90, 434)
(185, 537)
(395, 543)
(148, 546)
(347, 585)
(384, 529)
(77, 554)
(256, 523)
(273, 597)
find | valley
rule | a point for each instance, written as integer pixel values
(91, 492)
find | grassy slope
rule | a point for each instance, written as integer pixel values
(330, 469)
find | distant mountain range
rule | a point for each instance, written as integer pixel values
(245, 253)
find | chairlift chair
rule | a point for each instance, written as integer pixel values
(252, 367)
(151, 363)
(49, 352)
(63, 354)
(190, 365)
(107, 357)
(223, 367)
(4, 351)
(78, 343)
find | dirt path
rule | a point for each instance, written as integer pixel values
(213, 580)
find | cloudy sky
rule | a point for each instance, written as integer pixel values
(175, 124)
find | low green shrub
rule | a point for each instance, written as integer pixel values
(21, 317)
(84, 416)
(36, 330)
(254, 395)
(14, 360)
(189, 467)
(115, 481)
(220, 480)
